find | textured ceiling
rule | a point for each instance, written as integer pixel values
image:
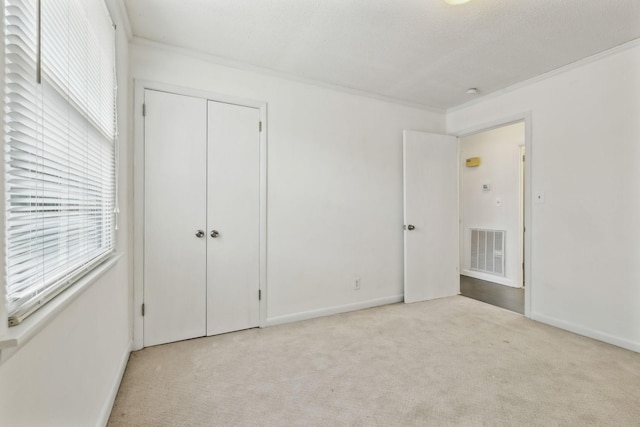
(418, 51)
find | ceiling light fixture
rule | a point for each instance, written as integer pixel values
(456, 2)
(472, 91)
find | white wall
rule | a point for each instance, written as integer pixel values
(334, 182)
(585, 148)
(500, 153)
(68, 374)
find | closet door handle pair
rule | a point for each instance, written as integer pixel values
(214, 234)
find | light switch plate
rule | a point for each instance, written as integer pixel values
(539, 196)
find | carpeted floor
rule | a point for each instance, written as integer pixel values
(448, 362)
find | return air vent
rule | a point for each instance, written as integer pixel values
(487, 251)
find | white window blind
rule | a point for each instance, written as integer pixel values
(59, 146)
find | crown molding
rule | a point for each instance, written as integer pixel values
(143, 42)
(549, 74)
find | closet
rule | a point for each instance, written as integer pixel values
(201, 217)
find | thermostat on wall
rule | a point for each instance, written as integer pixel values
(473, 162)
(486, 187)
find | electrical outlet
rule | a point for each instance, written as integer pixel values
(356, 284)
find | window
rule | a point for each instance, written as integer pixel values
(60, 133)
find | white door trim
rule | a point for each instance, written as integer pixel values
(525, 117)
(521, 206)
(137, 247)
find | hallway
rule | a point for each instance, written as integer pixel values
(493, 293)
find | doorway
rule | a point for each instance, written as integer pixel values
(492, 216)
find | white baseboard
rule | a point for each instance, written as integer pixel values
(587, 332)
(490, 278)
(108, 406)
(312, 314)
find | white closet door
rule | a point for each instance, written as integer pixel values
(233, 212)
(431, 216)
(175, 209)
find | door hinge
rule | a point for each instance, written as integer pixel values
(259, 126)
(259, 294)
(143, 309)
(144, 110)
(523, 157)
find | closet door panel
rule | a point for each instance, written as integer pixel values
(175, 209)
(233, 211)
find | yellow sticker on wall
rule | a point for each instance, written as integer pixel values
(473, 162)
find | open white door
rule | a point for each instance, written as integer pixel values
(430, 216)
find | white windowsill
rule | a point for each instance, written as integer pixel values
(17, 336)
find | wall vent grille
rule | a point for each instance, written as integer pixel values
(487, 251)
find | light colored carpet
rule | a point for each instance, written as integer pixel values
(448, 362)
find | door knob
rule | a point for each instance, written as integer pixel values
(214, 234)
(199, 234)
(410, 227)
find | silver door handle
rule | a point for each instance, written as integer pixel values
(214, 234)
(199, 234)
(409, 227)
